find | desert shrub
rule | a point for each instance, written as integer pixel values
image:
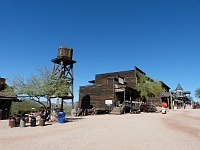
(23, 107)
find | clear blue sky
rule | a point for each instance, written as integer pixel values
(161, 37)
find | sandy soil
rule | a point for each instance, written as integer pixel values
(178, 129)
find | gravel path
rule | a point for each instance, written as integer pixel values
(178, 129)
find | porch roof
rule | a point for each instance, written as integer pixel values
(4, 96)
(123, 88)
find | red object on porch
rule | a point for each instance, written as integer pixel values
(164, 104)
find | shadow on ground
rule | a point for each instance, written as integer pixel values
(72, 119)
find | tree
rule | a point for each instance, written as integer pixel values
(148, 87)
(9, 91)
(42, 84)
(197, 92)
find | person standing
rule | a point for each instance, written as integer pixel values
(164, 106)
(184, 105)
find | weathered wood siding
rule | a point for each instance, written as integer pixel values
(98, 94)
(128, 75)
(154, 100)
(103, 89)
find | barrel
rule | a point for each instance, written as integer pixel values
(41, 122)
(10, 117)
(26, 119)
(22, 122)
(17, 120)
(61, 117)
(65, 52)
(33, 122)
(12, 122)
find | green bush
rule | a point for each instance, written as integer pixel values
(67, 110)
(23, 107)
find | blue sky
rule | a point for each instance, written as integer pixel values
(161, 37)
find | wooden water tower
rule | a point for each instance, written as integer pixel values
(63, 68)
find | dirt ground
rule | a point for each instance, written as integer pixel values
(178, 129)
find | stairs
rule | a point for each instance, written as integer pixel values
(116, 111)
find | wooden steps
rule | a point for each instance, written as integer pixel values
(116, 111)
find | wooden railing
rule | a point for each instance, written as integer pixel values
(122, 106)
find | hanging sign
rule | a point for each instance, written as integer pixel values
(120, 80)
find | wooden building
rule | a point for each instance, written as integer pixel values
(114, 89)
(180, 97)
(5, 100)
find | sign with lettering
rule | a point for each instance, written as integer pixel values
(108, 102)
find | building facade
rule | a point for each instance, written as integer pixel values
(116, 88)
(180, 97)
(5, 100)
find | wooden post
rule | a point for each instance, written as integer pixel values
(114, 92)
(61, 107)
(72, 86)
(124, 98)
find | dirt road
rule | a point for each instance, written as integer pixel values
(178, 129)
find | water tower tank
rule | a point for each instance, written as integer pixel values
(65, 52)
